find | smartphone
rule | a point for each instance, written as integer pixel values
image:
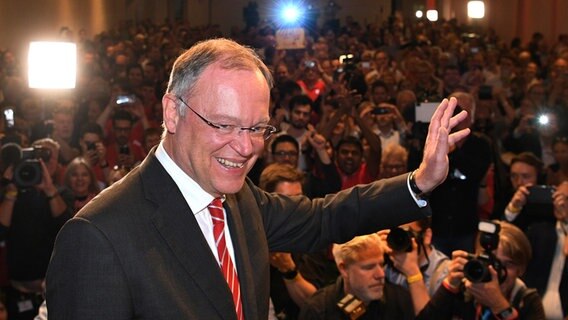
(365, 64)
(125, 99)
(424, 111)
(310, 64)
(485, 92)
(9, 116)
(541, 194)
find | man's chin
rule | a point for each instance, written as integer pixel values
(230, 187)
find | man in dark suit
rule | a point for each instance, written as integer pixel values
(154, 245)
(548, 270)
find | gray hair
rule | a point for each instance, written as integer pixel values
(349, 252)
(230, 55)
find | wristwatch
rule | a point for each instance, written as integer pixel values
(290, 275)
(505, 314)
(413, 185)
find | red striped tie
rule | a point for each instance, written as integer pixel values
(216, 210)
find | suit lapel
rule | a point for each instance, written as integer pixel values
(178, 227)
(244, 267)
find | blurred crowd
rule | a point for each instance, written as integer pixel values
(351, 107)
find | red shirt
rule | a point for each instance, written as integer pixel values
(361, 176)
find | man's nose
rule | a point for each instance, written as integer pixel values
(243, 143)
(379, 273)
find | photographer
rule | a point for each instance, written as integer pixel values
(360, 291)
(526, 171)
(499, 293)
(33, 216)
(94, 151)
(414, 259)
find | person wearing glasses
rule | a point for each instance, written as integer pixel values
(185, 235)
(321, 180)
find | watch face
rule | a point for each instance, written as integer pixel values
(506, 313)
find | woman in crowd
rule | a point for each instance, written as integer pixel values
(80, 179)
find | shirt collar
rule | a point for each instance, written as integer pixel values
(197, 198)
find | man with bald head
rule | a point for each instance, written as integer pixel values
(186, 236)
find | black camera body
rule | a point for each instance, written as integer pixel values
(28, 171)
(400, 240)
(477, 268)
(91, 145)
(380, 110)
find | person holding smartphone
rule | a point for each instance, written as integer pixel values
(522, 210)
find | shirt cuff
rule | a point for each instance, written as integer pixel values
(509, 215)
(419, 201)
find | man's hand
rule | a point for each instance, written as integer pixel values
(455, 268)
(560, 201)
(519, 198)
(406, 262)
(488, 293)
(435, 163)
(282, 261)
(46, 185)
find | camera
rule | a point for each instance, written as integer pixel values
(540, 194)
(400, 240)
(380, 110)
(124, 149)
(351, 306)
(477, 268)
(91, 145)
(309, 64)
(26, 162)
(125, 99)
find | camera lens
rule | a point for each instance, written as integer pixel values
(476, 270)
(399, 240)
(27, 173)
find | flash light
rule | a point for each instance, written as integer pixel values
(543, 119)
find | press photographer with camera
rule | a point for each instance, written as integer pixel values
(414, 260)
(487, 285)
(94, 151)
(529, 203)
(33, 208)
(361, 291)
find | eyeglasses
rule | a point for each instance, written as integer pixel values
(263, 130)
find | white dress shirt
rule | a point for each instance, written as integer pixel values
(551, 299)
(197, 200)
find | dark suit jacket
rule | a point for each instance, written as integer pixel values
(137, 252)
(543, 240)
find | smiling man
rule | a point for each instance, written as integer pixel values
(185, 235)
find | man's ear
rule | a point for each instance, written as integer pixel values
(170, 112)
(342, 269)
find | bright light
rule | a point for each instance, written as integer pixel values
(52, 65)
(432, 15)
(543, 119)
(419, 14)
(291, 14)
(476, 9)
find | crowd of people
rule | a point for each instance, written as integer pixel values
(349, 109)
